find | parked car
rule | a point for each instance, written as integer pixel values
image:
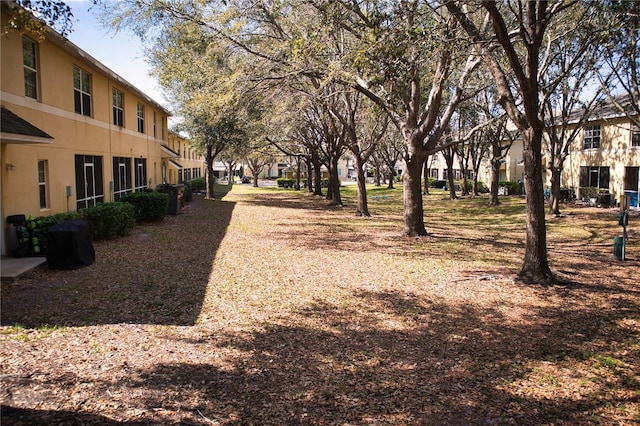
(246, 179)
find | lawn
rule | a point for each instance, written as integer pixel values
(270, 307)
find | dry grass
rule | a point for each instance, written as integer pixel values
(270, 307)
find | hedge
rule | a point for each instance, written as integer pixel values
(110, 219)
(107, 220)
(513, 188)
(148, 206)
(285, 183)
(197, 185)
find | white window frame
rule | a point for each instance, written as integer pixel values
(118, 107)
(140, 113)
(43, 186)
(591, 134)
(84, 109)
(635, 136)
(31, 70)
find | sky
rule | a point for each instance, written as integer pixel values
(122, 52)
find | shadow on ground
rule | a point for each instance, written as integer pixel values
(156, 275)
(453, 364)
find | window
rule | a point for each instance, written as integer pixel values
(140, 118)
(592, 137)
(155, 132)
(118, 108)
(82, 91)
(434, 173)
(29, 59)
(121, 177)
(89, 187)
(42, 183)
(635, 137)
(141, 174)
(632, 178)
(597, 177)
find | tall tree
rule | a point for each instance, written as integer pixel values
(518, 30)
(405, 59)
(621, 49)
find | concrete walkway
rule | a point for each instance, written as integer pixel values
(13, 267)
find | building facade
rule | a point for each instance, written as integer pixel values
(606, 156)
(185, 163)
(74, 133)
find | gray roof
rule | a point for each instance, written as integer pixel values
(607, 110)
(10, 123)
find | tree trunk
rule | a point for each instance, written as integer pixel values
(535, 268)
(317, 173)
(392, 178)
(309, 175)
(255, 180)
(211, 179)
(425, 177)
(450, 177)
(298, 174)
(334, 184)
(554, 194)
(412, 193)
(363, 208)
(495, 181)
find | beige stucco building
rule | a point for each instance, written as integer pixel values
(74, 133)
(185, 163)
(606, 156)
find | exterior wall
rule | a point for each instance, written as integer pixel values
(73, 134)
(615, 152)
(190, 159)
(511, 170)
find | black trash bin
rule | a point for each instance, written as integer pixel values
(70, 245)
(175, 197)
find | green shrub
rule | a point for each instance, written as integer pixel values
(430, 182)
(110, 219)
(39, 226)
(197, 185)
(513, 188)
(285, 183)
(482, 188)
(187, 194)
(148, 206)
(588, 192)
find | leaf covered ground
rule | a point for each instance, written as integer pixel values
(270, 307)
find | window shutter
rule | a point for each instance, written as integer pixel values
(604, 178)
(584, 176)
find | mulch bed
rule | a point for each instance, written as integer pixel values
(272, 308)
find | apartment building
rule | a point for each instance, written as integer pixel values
(74, 133)
(185, 161)
(606, 155)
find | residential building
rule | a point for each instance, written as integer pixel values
(606, 155)
(74, 133)
(185, 161)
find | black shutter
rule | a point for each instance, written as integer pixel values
(97, 165)
(80, 184)
(604, 178)
(584, 176)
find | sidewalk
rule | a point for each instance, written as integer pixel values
(13, 267)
